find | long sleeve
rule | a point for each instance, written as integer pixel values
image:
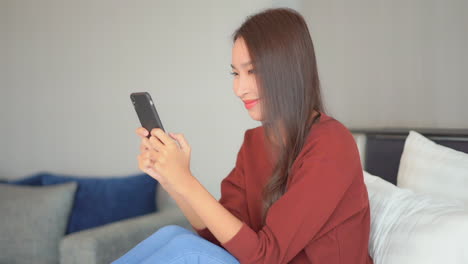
(233, 196)
(324, 174)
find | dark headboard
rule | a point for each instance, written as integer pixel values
(384, 147)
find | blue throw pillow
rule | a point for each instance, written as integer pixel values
(99, 201)
(33, 180)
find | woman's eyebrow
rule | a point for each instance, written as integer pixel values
(242, 64)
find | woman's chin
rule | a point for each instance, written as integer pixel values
(255, 115)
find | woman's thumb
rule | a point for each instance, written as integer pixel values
(181, 139)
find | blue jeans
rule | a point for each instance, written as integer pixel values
(173, 244)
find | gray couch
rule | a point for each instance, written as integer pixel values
(108, 242)
(33, 221)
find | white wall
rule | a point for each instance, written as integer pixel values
(395, 63)
(71, 66)
(67, 69)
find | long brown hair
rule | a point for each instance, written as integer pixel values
(282, 54)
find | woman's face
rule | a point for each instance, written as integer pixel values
(245, 85)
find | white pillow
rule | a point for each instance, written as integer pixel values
(361, 139)
(432, 168)
(409, 227)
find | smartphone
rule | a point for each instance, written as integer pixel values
(146, 111)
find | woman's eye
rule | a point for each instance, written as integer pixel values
(249, 72)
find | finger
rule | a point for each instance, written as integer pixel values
(142, 132)
(151, 155)
(154, 155)
(145, 144)
(161, 135)
(143, 148)
(155, 143)
(181, 140)
(144, 163)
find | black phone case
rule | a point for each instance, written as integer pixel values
(146, 111)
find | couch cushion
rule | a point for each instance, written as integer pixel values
(32, 180)
(99, 201)
(33, 221)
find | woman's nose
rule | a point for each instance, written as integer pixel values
(241, 87)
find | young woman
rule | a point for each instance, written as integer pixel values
(296, 193)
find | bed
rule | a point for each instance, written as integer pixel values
(417, 181)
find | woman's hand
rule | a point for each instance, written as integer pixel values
(163, 159)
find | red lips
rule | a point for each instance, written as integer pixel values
(250, 103)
